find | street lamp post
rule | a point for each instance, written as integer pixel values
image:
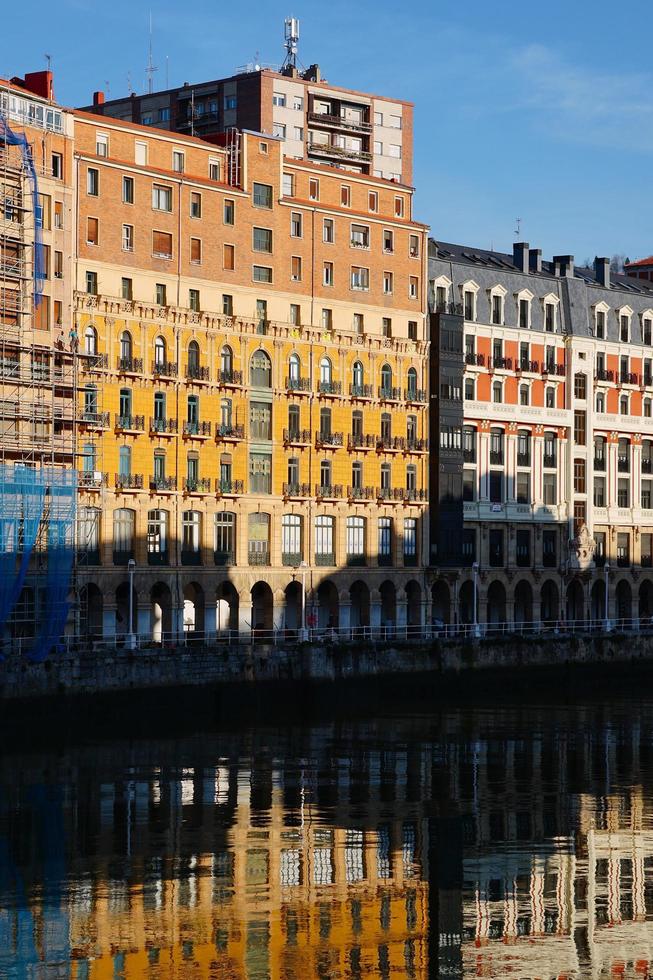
(477, 631)
(607, 599)
(131, 639)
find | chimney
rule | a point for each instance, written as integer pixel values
(535, 260)
(98, 99)
(520, 256)
(602, 271)
(313, 74)
(40, 83)
(564, 266)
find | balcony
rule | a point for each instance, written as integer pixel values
(361, 391)
(469, 455)
(331, 388)
(326, 558)
(647, 465)
(229, 433)
(550, 462)
(291, 559)
(360, 443)
(232, 379)
(129, 481)
(496, 457)
(258, 557)
(130, 365)
(196, 372)
(329, 440)
(163, 484)
(122, 557)
(360, 493)
(523, 459)
(603, 375)
(327, 119)
(477, 360)
(356, 560)
(191, 556)
(163, 427)
(501, 363)
(297, 437)
(338, 152)
(130, 423)
(389, 394)
(164, 369)
(530, 366)
(328, 492)
(94, 362)
(158, 557)
(197, 485)
(623, 464)
(95, 420)
(92, 480)
(197, 430)
(296, 490)
(223, 558)
(228, 488)
(628, 378)
(299, 385)
(417, 396)
(390, 444)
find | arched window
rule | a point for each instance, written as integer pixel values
(294, 369)
(90, 340)
(386, 427)
(123, 534)
(226, 364)
(355, 540)
(125, 346)
(291, 539)
(191, 541)
(157, 536)
(193, 359)
(386, 378)
(260, 370)
(358, 377)
(224, 538)
(523, 395)
(600, 401)
(623, 405)
(326, 371)
(412, 382)
(159, 352)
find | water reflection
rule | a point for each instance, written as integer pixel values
(475, 844)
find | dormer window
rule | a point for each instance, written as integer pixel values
(497, 305)
(624, 328)
(524, 299)
(469, 291)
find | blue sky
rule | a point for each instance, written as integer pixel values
(538, 111)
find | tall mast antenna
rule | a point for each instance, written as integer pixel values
(291, 41)
(151, 67)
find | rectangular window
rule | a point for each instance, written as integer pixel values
(623, 493)
(388, 240)
(579, 476)
(413, 246)
(549, 555)
(92, 182)
(161, 198)
(599, 491)
(327, 274)
(57, 166)
(228, 212)
(412, 330)
(296, 268)
(195, 251)
(261, 240)
(360, 236)
(214, 169)
(58, 265)
(195, 205)
(58, 214)
(360, 278)
(579, 428)
(385, 541)
(410, 540)
(523, 488)
(328, 231)
(178, 161)
(295, 224)
(229, 257)
(399, 207)
(386, 326)
(623, 550)
(194, 300)
(161, 294)
(126, 288)
(549, 317)
(91, 283)
(496, 549)
(413, 287)
(314, 189)
(140, 153)
(345, 195)
(92, 230)
(278, 98)
(227, 304)
(261, 273)
(387, 283)
(262, 195)
(550, 489)
(523, 542)
(162, 244)
(127, 190)
(128, 238)
(260, 473)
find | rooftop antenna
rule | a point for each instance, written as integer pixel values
(129, 83)
(167, 66)
(151, 67)
(518, 229)
(48, 61)
(291, 41)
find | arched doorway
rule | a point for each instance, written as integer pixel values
(549, 603)
(388, 606)
(293, 607)
(466, 604)
(524, 606)
(193, 610)
(262, 609)
(645, 603)
(440, 599)
(414, 606)
(226, 608)
(496, 606)
(575, 603)
(160, 612)
(624, 597)
(327, 606)
(359, 597)
(91, 610)
(122, 610)
(597, 603)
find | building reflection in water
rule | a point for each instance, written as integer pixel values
(507, 847)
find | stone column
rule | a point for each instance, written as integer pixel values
(344, 616)
(278, 610)
(109, 620)
(209, 619)
(375, 611)
(244, 611)
(402, 616)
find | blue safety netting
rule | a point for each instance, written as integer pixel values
(8, 136)
(37, 508)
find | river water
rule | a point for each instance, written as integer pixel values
(464, 843)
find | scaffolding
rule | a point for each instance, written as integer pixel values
(38, 381)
